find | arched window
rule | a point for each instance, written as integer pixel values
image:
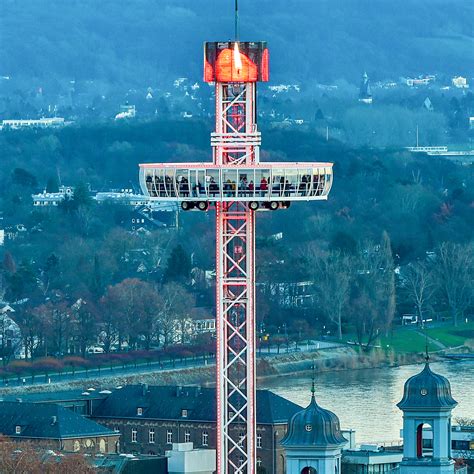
(309, 470)
(424, 440)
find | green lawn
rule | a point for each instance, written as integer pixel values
(452, 336)
(406, 340)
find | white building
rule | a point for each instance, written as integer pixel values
(11, 343)
(40, 123)
(460, 82)
(125, 197)
(184, 459)
(126, 112)
(52, 199)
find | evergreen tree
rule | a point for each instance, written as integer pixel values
(178, 266)
(52, 186)
(81, 196)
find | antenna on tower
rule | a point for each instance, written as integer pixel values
(236, 20)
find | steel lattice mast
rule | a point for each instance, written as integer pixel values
(237, 184)
(235, 142)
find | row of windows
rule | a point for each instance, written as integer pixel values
(187, 437)
(231, 182)
(169, 437)
(184, 412)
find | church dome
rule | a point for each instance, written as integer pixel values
(314, 426)
(427, 390)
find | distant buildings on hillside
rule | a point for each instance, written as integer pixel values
(17, 124)
(420, 80)
(126, 112)
(460, 82)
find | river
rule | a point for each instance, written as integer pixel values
(365, 400)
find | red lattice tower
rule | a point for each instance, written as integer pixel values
(237, 185)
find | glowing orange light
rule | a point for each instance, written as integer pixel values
(227, 72)
(237, 58)
(208, 72)
(264, 66)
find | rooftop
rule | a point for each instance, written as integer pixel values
(168, 403)
(46, 420)
(426, 391)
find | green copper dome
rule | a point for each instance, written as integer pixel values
(314, 426)
(427, 390)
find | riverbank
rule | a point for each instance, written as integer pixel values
(324, 360)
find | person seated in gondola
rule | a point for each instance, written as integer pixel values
(243, 186)
(263, 185)
(213, 187)
(251, 188)
(303, 185)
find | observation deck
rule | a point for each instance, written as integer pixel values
(266, 185)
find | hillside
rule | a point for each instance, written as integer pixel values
(140, 41)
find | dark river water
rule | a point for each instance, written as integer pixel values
(365, 400)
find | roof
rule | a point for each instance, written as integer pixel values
(426, 391)
(314, 427)
(167, 403)
(54, 397)
(46, 420)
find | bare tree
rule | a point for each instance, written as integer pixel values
(134, 305)
(420, 286)
(174, 316)
(455, 269)
(332, 274)
(28, 458)
(373, 293)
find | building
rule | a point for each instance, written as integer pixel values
(313, 442)
(151, 418)
(55, 427)
(419, 81)
(427, 401)
(126, 112)
(300, 294)
(183, 458)
(203, 321)
(53, 199)
(365, 91)
(11, 342)
(462, 441)
(40, 123)
(371, 461)
(460, 82)
(124, 197)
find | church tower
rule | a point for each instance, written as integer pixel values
(427, 403)
(365, 91)
(314, 441)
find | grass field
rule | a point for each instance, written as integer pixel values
(406, 340)
(452, 336)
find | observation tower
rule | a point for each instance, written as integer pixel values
(237, 186)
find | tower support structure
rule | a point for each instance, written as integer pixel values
(235, 142)
(237, 185)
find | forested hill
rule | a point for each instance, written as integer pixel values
(140, 41)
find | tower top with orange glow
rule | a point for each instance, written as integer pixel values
(234, 61)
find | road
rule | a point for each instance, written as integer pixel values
(151, 367)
